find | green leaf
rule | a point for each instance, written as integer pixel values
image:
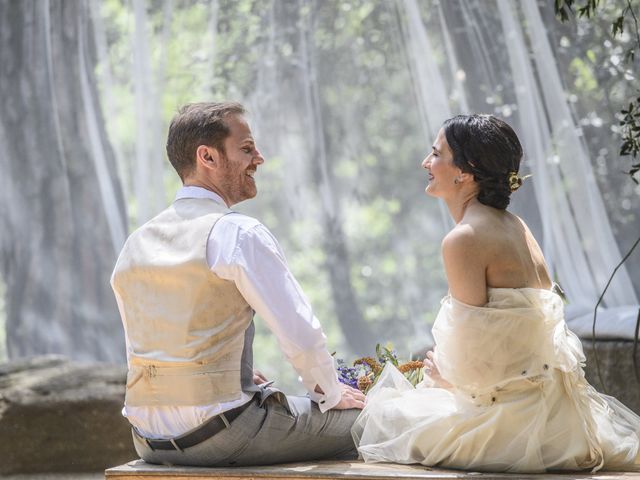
(589, 9)
(562, 9)
(618, 26)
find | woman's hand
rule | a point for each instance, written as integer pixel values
(431, 369)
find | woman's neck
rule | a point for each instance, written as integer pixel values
(458, 206)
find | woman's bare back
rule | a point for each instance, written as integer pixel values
(492, 248)
(514, 258)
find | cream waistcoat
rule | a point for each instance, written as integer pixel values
(186, 326)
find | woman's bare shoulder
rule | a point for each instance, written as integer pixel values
(462, 236)
(477, 230)
(466, 243)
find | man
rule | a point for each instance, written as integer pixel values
(187, 285)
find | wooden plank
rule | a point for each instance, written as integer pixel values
(330, 470)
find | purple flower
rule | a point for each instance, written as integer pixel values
(347, 375)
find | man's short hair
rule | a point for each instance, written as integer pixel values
(198, 124)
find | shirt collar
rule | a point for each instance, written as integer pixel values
(199, 192)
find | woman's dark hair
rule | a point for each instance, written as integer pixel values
(489, 149)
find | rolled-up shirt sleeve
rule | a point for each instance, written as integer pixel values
(250, 256)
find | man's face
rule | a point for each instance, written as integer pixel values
(239, 162)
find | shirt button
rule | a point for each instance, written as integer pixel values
(322, 402)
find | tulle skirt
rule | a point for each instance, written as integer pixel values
(552, 422)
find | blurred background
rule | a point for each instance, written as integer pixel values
(344, 98)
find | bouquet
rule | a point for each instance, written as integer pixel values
(366, 370)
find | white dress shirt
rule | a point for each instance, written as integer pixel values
(242, 250)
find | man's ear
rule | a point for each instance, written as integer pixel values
(207, 157)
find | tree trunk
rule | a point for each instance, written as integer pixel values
(64, 216)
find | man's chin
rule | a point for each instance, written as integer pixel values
(247, 196)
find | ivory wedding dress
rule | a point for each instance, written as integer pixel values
(519, 401)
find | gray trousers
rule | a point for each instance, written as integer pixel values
(278, 429)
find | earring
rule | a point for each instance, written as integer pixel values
(456, 181)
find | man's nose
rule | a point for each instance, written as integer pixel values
(258, 159)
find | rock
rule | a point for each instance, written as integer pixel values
(617, 369)
(62, 416)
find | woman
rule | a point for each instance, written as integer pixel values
(504, 388)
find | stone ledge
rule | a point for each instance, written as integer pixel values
(617, 368)
(326, 470)
(62, 416)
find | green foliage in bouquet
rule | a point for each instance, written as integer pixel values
(366, 370)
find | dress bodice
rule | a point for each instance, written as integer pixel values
(519, 334)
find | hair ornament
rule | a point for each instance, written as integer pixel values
(516, 181)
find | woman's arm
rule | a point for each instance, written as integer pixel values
(465, 265)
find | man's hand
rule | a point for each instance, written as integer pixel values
(351, 398)
(431, 369)
(258, 377)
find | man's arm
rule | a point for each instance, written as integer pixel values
(242, 250)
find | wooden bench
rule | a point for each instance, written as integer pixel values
(356, 470)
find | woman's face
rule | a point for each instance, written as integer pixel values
(442, 171)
